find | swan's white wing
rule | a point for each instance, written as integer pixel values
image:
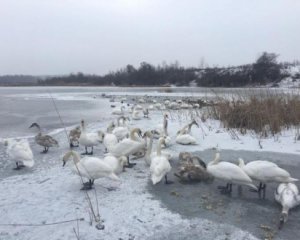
(158, 168)
(185, 139)
(228, 171)
(126, 147)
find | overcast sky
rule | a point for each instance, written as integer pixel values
(42, 37)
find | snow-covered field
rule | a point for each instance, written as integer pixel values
(49, 193)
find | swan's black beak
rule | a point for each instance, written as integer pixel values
(64, 163)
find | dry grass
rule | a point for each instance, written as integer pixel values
(264, 114)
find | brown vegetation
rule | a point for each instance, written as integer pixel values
(264, 114)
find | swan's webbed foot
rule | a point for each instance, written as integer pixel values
(72, 145)
(88, 185)
(130, 165)
(18, 167)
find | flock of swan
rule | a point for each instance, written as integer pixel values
(122, 141)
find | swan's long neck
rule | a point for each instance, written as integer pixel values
(83, 130)
(241, 163)
(149, 147)
(158, 151)
(216, 160)
(166, 126)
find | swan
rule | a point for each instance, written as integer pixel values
(193, 171)
(186, 157)
(74, 135)
(136, 114)
(91, 168)
(20, 152)
(109, 140)
(128, 146)
(264, 172)
(88, 139)
(121, 131)
(44, 140)
(160, 165)
(187, 128)
(230, 173)
(117, 164)
(287, 194)
(184, 137)
(162, 131)
(119, 111)
(149, 154)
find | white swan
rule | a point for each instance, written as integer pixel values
(160, 165)
(117, 164)
(136, 114)
(264, 172)
(121, 131)
(162, 131)
(109, 140)
(91, 168)
(287, 194)
(119, 111)
(128, 146)
(149, 153)
(88, 139)
(74, 135)
(44, 140)
(184, 136)
(230, 173)
(20, 152)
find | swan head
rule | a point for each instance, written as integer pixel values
(282, 219)
(166, 116)
(68, 155)
(138, 131)
(35, 125)
(147, 134)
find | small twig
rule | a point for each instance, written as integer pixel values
(38, 224)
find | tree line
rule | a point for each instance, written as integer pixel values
(264, 70)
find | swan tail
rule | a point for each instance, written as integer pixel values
(113, 176)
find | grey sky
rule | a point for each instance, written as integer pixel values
(97, 36)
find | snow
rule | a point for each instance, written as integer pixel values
(51, 193)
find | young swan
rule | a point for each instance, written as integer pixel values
(89, 167)
(44, 140)
(74, 136)
(160, 165)
(287, 194)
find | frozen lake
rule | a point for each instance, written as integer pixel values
(178, 211)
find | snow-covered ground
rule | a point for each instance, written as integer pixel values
(49, 193)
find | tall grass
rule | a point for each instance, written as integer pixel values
(264, 113)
